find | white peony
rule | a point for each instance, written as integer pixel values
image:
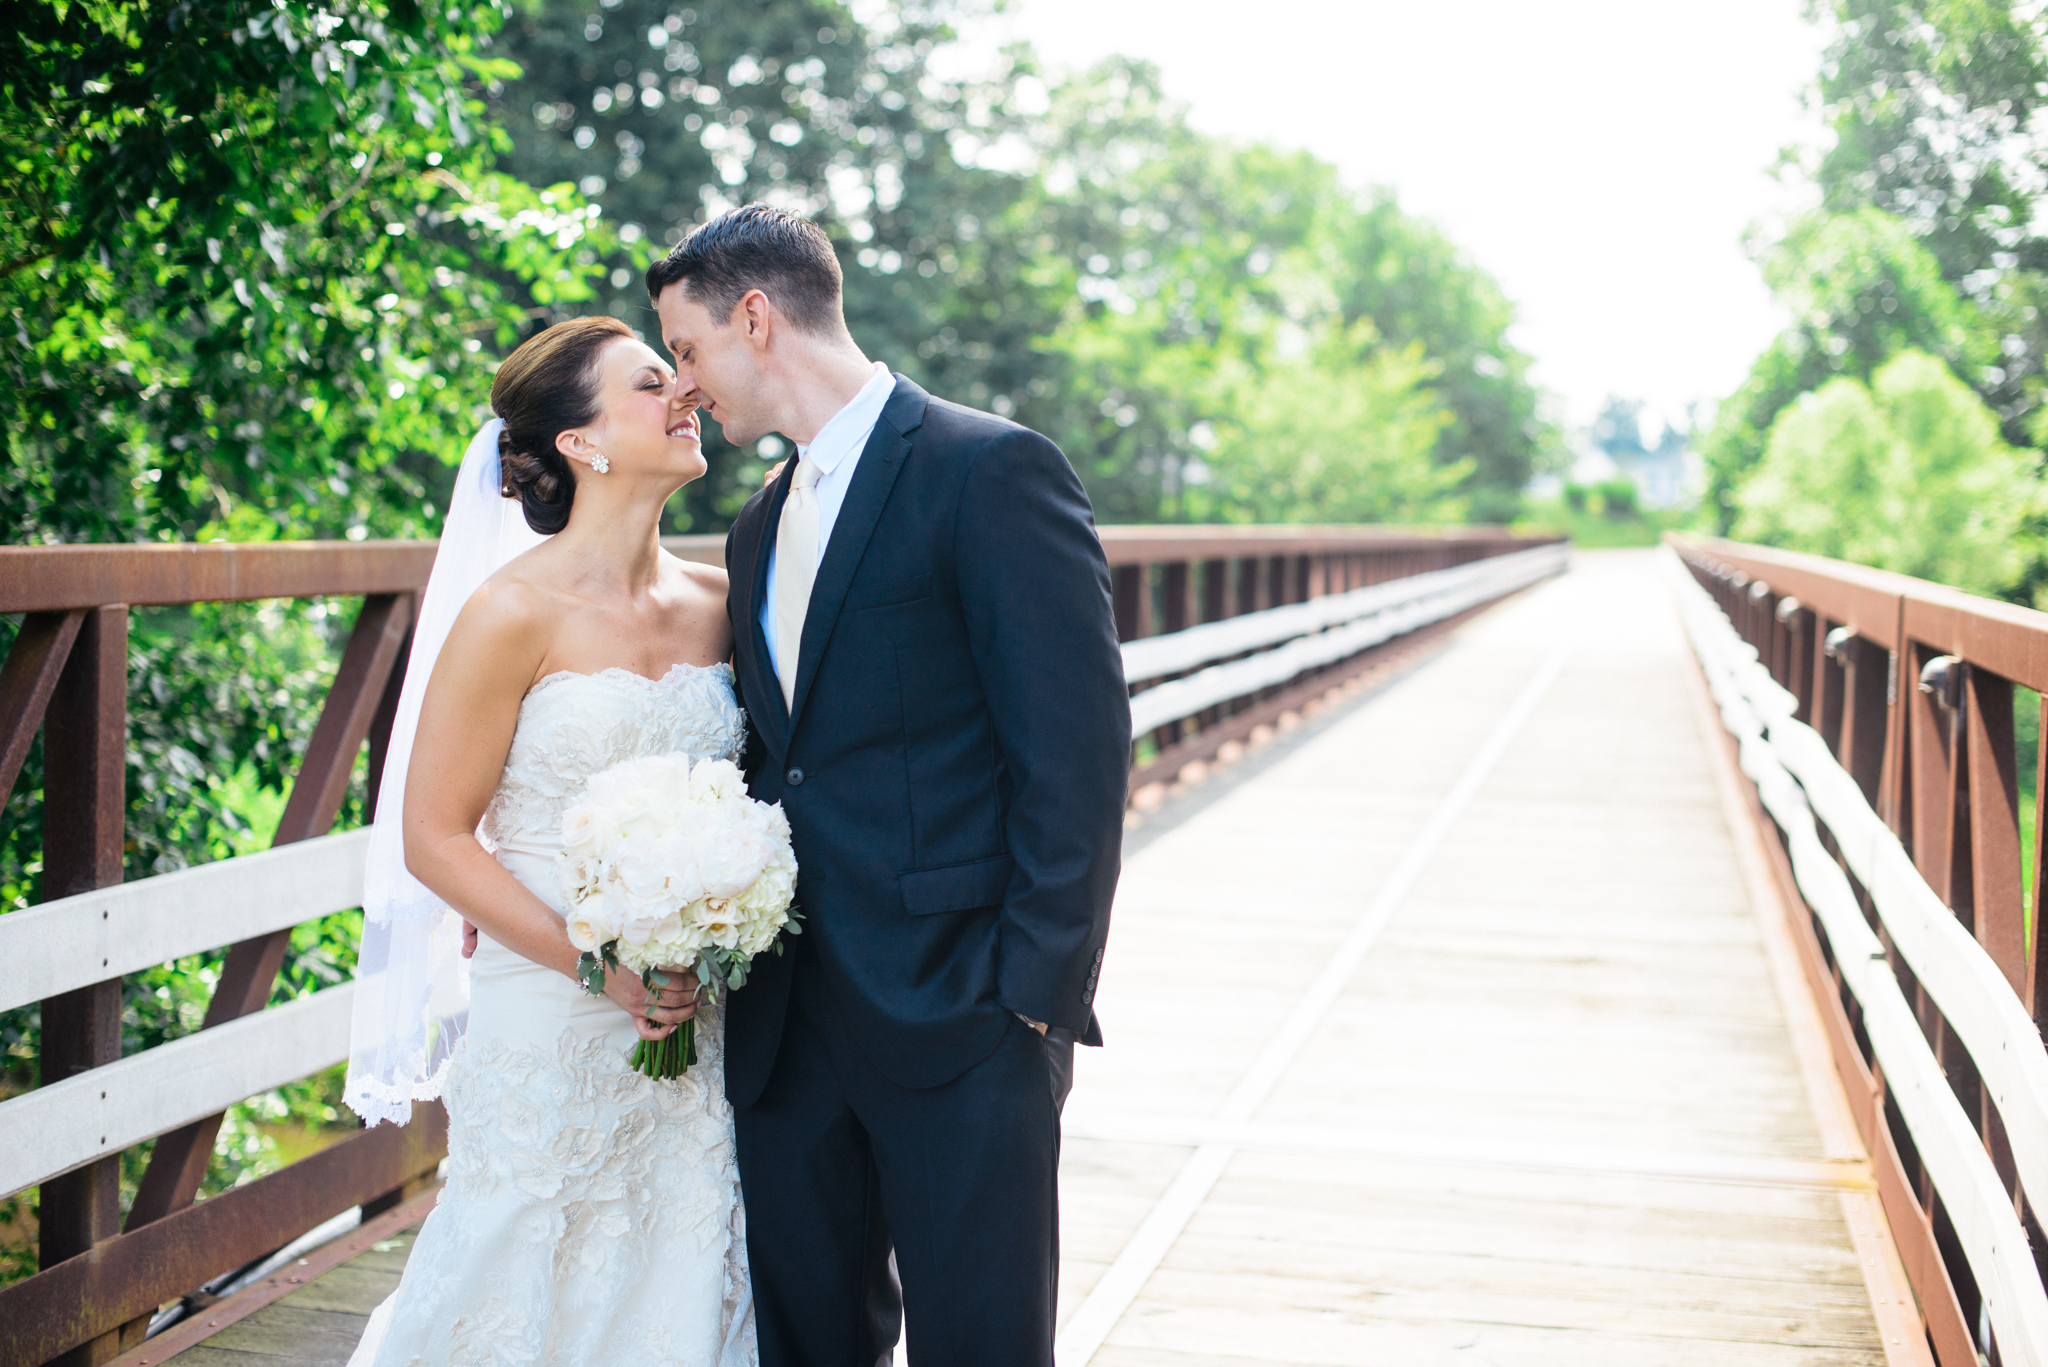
(730, 855)
(649, 877)
(715, 782)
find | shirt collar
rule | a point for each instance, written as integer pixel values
(848, 429)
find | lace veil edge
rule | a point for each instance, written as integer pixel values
(412, 995)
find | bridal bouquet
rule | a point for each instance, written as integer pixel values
(666, 863)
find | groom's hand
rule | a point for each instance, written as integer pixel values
(468, 939)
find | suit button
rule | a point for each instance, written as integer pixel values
(794, 778)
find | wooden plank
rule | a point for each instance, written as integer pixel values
(131, 1275)
(34, 662)
(1554, 1116)
(81, 1119)
(60, 578)
(380, 1244)
(126, 928)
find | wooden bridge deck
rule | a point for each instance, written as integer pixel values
(1445, 1032)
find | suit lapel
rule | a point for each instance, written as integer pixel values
(764, 690)
(881, 460)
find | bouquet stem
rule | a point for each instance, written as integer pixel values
(670, 1057)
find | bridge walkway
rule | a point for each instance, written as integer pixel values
(1444, 1029)
(1452, 1034)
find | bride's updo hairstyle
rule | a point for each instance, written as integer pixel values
(545, 388)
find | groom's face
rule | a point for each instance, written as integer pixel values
(718, 362)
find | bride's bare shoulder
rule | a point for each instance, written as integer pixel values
(699, 580)
(511, 614)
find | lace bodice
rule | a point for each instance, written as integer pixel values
(574, 725)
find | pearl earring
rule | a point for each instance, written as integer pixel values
(600, 463)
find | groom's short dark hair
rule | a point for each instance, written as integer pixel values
(756, 247)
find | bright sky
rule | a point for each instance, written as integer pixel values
(1602, 158)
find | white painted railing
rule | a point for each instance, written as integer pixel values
(1797, 779)
(113, 931)
(68, 1124)
(1317, 632)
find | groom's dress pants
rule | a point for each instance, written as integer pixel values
(966, 1171)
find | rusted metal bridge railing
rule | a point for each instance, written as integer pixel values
(1876, 715)
(104, 1274)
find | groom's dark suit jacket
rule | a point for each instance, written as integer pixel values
(955, 764)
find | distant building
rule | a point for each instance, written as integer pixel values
(1668, 477)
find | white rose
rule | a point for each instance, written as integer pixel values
(575, 875)
(582, 827)
(591, 923)
(642, 812)
(716, 781)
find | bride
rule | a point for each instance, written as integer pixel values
(591, 1215)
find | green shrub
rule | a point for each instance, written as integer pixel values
(1908, 473)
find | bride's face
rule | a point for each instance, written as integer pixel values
(644, 428)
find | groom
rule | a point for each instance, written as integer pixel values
(925, 649)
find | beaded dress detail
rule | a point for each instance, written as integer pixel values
(591, 1215)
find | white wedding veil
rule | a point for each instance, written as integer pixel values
(412, 983)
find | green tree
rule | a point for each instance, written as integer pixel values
(1182, 262)
(256, 267)
(258, 252)
(1417, 287)
(1907, 473)
(1344, 432)
(666, 114)
(1861, 287)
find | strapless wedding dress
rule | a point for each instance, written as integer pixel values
(591, 1215)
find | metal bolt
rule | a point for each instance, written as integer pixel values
(1788, 608)
(1942, 677)
(1838, 641)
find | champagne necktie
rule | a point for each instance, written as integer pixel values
(796, 566)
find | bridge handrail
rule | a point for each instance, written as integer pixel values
(1797, 779)
(71, 952)
(113, 931)
(1361, 619)
(1910, 687)
(82, 1119)
(1199, 645)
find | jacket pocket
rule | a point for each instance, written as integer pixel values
(957, 887)
(888, 593)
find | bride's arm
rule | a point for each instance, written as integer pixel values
(467, 718)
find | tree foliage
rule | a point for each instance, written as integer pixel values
(1907, 473)
(257, 255)
(1927, 236)
(1187, 269)
(261, 260)
(666, 114)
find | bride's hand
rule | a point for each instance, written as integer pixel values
(658, 1013)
